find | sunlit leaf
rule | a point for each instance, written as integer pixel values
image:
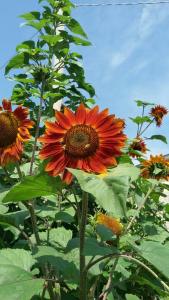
(17, 284)
(33, 186)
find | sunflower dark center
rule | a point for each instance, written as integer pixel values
(81, 141)
(8, 129)
(137, 146)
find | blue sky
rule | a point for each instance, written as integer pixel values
(128, 58)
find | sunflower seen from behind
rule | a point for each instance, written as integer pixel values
(156, 167)
(158, 112)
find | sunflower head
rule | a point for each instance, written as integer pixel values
(157, 167)
(137, 145)
(87, 139)
(158, 112)
(112, 223)
(14, 130)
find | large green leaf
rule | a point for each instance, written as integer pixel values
(17, 61)
(17, 284)
(33, 186)
(51, 39)
(110, 191)
(76, 28)
(126, 169)
(91, 247)
(65, 264)
(17, 257)
(60, 236)
(156, 254)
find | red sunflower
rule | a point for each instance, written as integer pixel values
(88, 140)
(14, 131)
(158, 112)
(156, 167)
(137, 145)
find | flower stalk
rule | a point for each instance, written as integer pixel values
(83, 273)
(31, 209)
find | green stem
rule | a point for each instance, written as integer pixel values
(141, 132)
(37, 129)
(77, 205)
(130, 258)
(109, 282)
(31, 209)
(19, 171)
(83, 273)
(52, 294)
(141, 126)
(139, 209)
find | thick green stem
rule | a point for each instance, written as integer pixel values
(36, 133)
(139, 209)
(83, 273)
(31, 209)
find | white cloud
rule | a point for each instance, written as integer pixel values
(138, 32)
(150, 19)
(120, 57)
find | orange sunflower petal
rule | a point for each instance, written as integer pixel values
(81, 114)
(70, 115)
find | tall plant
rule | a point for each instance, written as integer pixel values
(78, 219)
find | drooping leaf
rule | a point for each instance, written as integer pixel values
(159, 137)
(76, 28)
(17, 61)
(32, 187)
